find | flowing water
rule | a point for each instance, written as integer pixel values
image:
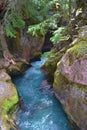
(40, 109)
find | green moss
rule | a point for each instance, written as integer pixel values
(6, 110)
(56, 79)
(21, 64)
(36, 53)
(48, 54)
(59, 81)
(64, 90)
(51, 66)
(79, 49)
(8, 103)
(17, 69)
(72, 95)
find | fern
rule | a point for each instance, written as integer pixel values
(57, 35)
(11, 23)
(10, 31)
(37, 29)
(17, 21)
(13, 18)
(38, 11)
(43, 27)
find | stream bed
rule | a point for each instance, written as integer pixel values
(40, 110)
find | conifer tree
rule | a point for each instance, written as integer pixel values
(12, 17)
(43, 15)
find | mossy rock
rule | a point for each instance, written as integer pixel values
(8, 99)
(18, 68)
(70, 83)
(50, 66)
(4, 76)
(78, 50)
(37, 53)
(73, 99)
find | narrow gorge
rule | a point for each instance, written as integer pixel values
(43, 65)
(39, 108)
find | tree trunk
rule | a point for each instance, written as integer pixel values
(70, 4)
(6, 54)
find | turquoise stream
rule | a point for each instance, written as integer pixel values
(40, 109)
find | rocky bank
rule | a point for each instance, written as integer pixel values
(23, 49)
(70, 80)
(8, 101)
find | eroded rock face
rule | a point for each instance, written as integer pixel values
(8, 99)
(74, 64)
(32, 46)
(70, 83)
(50, 66)
(26, 46)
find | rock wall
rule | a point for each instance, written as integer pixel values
(50, 67)
(25, 45)
(70, 78)
(70, 81)
(32, 47)
(8, 99)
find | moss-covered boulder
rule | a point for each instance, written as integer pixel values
(18, 68)
(8, 99)
(70, 83)
(49, 68)
(51, 64)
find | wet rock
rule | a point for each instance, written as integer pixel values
(50, 66)
(26, 46)
(22, 105)
(47, 43)
(70, 82)
(32, 47)
(18, 68)
(8, 99)
(45, 85)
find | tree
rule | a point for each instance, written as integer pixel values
(6, 53)
(42, 15)
(13, 15)
(70, 3)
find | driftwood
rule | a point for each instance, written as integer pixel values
(8, 57)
